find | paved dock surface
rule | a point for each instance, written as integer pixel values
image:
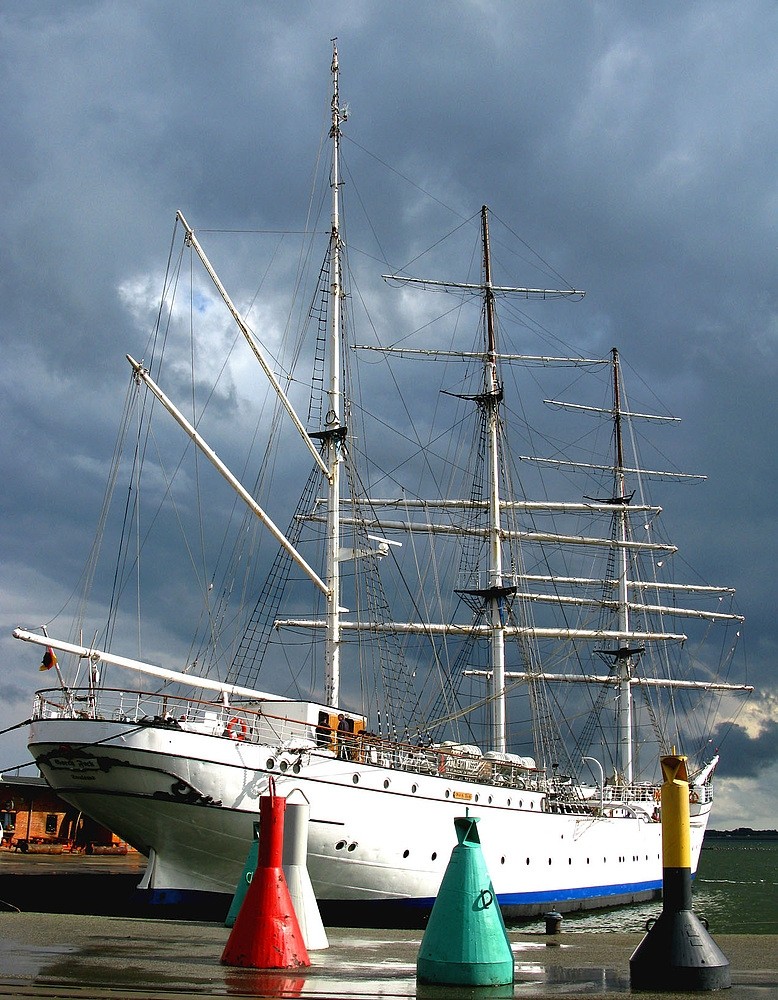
(66, 956)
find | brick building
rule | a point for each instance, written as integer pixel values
(31, 814)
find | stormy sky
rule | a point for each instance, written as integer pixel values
(632, 145)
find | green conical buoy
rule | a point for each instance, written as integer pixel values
(465, 943)
(252, 860)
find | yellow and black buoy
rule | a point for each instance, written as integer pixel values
(677, 953)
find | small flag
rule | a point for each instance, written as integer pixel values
(49, 659)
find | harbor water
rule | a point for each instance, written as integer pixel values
(736, 891)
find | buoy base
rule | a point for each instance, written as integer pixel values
(266, 934)
(678, 954)
(448, 973)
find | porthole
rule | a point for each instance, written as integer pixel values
(434, 855)
(447, 793)
(284, 765)
(476, 797)
(340, 845)
(406, 852)
(355, 779)
(521, 803)
(270, 763)
(502, 860)
(387, 782)
(489, 800)
(509, 801)
(531, 804)
(549, 860)
(352, 847)
(296, 768)
(569, 861)
(414, 788)
(527, 860)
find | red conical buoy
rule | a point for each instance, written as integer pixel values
(266, 934)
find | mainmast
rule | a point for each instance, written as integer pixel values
(496, 592)
(333, 433)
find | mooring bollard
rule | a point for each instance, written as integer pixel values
(553, 922)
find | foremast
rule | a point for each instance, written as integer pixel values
(333, 433)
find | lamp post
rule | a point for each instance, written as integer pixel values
(602, 779)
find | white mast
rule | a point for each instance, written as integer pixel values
(625, 655)
(333, 431)
(496, 592)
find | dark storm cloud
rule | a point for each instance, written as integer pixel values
(748, 756)
(632, 145)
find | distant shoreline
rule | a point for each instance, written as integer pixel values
(741, 833)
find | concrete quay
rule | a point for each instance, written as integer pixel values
(67, 956)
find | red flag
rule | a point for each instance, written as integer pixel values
(49, 659)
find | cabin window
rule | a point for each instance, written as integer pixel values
(51, 823)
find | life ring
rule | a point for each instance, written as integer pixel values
(657, 795)
(441, 763)
(694, 797)
(236, 729)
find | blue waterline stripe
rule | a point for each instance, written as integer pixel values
(163, 896)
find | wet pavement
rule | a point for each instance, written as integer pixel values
(55, 955)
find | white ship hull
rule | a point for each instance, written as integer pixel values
(380, 837)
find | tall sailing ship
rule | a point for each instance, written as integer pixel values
(535, 686)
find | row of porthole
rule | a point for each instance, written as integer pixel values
(447, 794)
(283, 766)
(344, 844)
(270, 764)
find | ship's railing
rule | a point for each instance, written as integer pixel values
(457, 762)
(258, 725)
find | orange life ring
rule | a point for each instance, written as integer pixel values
(694, 797)
(657, 795)
(237, 729)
